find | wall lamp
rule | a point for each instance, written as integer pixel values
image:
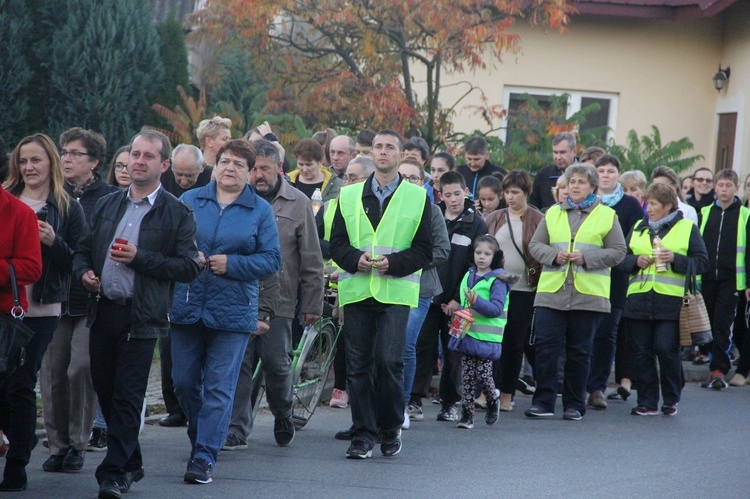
(720, 78)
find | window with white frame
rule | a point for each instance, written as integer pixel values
(606, 116)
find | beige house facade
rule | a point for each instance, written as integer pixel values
(646, 63)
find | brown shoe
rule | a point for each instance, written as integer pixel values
(597, 400)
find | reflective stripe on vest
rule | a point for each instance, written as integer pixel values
(395, 233)
(485, 328)
(666, 283)
(739, 261)
(590, 235)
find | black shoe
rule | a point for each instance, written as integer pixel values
(199, 471)
(14, 477)
(623, 392)
(54, 463)
(537, 412)
(174, 420)
(359, 449)
(73, 461)
(467, 420)
(448, 413)
(390, 442)
(572, 415)
(98, 441)
(526, 385)
(283, 431)
(345, 434)
(493, 409)
(109, 489)
(130, 478)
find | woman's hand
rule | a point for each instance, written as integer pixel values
(217, 264)
(201, 260)
(644, 261)
(46, 233)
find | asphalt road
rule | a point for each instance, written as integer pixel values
(704, 451)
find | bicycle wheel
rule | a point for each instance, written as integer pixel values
(311, 373)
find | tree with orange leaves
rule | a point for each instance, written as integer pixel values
(373, 64)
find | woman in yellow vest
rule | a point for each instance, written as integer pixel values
(577, 242)
(657, 285)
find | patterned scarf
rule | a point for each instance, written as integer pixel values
(658, 224)
(78, 190)
(614, 198)
(583, 204)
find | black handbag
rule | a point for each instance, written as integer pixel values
(14, 335)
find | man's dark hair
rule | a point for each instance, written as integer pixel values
(420, 144)
(241, 148)
(94, 143)
(476, 145)
(166, 146)
(452, 178)
(400, 139)
(365, 137)
(608, 159)
(449, 159)
(265, 149)
(728, 174)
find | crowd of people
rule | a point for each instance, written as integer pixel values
(497, 281)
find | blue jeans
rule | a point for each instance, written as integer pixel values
(375, 340)
(205, 366)
(416, 318)
(574, 331)
(603, 351)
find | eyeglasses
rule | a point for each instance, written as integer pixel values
(703, 180)
(414, 179)
(75, 154)
(120, 166)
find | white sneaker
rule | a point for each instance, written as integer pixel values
(339, 398)
(738, 380)
(407, 422)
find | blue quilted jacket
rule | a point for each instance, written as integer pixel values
(246, 232)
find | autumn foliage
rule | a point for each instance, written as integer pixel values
(373, 64)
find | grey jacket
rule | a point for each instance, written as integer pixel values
(429, 283)
(567, 297)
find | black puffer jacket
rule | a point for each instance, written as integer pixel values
(78, 295)
(652, 306)
(167, 252)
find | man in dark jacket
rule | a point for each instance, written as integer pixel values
(464, 225)
(724, 227)
(142, 240)
(564, 155)
(477, 165)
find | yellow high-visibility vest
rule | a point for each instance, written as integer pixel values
(590, 235)
(395, 232)
(666, 283)
(485, 328)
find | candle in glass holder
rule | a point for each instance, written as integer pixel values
(658, 247)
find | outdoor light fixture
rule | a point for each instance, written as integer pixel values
(720, 78)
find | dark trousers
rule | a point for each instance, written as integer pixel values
(171, 404)
(721, 304)
(436, 326)
(624, 352)
(603, 351)
(375, 341)
(657, 340)
(17, 396)
(741, 336)
(515, 341)
(574, 330)
(119, 371)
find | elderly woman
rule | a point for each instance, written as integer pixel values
(212, 135)
(577, 242)
(36, 178)
(311, 174)
(655, 297)
(213, 316)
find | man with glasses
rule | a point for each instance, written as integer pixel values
(703, 189)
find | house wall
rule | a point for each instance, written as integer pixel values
(660, 70)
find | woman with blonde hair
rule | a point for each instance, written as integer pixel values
(36, 178)
(212, 135)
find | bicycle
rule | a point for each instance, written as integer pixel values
(311, 361)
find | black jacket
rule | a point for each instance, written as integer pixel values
(70, 227)
(652, 306)
(461, 233)
(167, 252)
(473, 178)
(629, 213)
(541, 192)
(704, 201)
(78, 296)
(400, 264)
(720, 236)
(169, 183)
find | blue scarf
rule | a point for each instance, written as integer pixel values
(658, 224)
(614, 198)
(583, 204)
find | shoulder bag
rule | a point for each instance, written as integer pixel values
(695, 328)
(14, 335)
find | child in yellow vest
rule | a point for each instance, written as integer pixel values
(485, 290)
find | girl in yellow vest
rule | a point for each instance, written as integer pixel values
(485, 289)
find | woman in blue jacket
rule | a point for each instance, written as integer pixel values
(213, 316)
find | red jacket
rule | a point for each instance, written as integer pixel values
(19, 245)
